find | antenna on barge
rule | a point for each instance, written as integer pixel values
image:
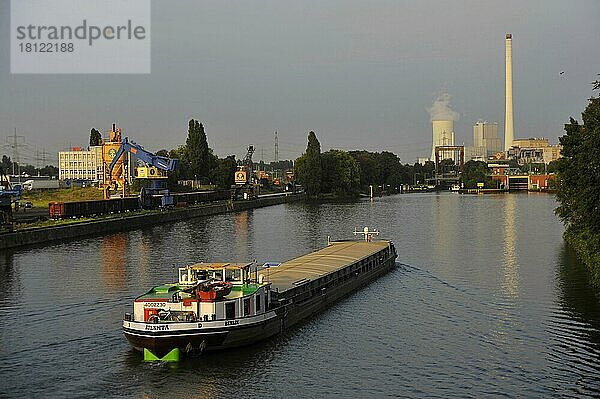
(367, 234)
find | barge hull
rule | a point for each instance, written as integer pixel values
(201, 340)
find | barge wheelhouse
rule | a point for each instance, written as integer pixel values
(212, 306)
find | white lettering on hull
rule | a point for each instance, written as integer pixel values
(157, 327)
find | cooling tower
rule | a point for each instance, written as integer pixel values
(509, 134)
(443, 134)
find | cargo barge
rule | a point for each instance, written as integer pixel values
(216, 306)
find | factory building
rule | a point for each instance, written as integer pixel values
(533, 150)
(80, 164)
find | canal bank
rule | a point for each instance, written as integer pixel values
(128, 222)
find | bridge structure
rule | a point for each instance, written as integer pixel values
(449, 163)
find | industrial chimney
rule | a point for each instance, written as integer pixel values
(509, 134)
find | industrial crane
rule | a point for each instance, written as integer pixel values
(155, 173)
(243, 177)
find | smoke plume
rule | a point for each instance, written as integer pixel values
(441, 111)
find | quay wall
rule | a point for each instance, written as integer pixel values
(132, 221)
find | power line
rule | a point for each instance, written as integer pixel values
(16, 143)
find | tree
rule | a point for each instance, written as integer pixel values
(197, 153)
(183, 169)
(6, 164)
(367, 164)
(382, 170)
(341, 174)
(222, 175)
(308, 167)
(552, 166)
(578, 188)
(476, 172)
(95, 137)
(49, 170)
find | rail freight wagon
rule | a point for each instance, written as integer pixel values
(186, 199)
(61, 210)
(202, 196)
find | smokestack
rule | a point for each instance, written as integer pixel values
(509, 134)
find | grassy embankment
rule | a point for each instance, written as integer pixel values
(41, 198)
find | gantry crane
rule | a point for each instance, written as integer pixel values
(244, 177)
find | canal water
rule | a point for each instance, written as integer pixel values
(486, 301)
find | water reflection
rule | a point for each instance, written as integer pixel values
(446, 222)
(113, 249)
(510, 272)
(575, 295)
(241, 224)
(574, 347)
(9, 278)
(144, 254)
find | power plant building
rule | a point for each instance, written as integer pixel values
(486, 135)
(534, 150)
(443, 134)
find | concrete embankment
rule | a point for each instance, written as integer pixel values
(132, 221)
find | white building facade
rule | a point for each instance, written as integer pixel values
(79, 164)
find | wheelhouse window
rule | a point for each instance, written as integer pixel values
(246, 306)
(230, 310)
(233, 275)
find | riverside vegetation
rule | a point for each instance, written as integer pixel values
(578, 188)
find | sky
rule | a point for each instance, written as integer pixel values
(361, 74)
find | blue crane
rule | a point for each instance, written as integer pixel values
(152, 160)
(164, 163)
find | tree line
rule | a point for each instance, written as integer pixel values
(346, 174)
(8, 166)
(578, 185)
(198, 162)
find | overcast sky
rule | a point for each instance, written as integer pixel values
(361, 74)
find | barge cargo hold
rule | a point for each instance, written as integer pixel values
(221, 305)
